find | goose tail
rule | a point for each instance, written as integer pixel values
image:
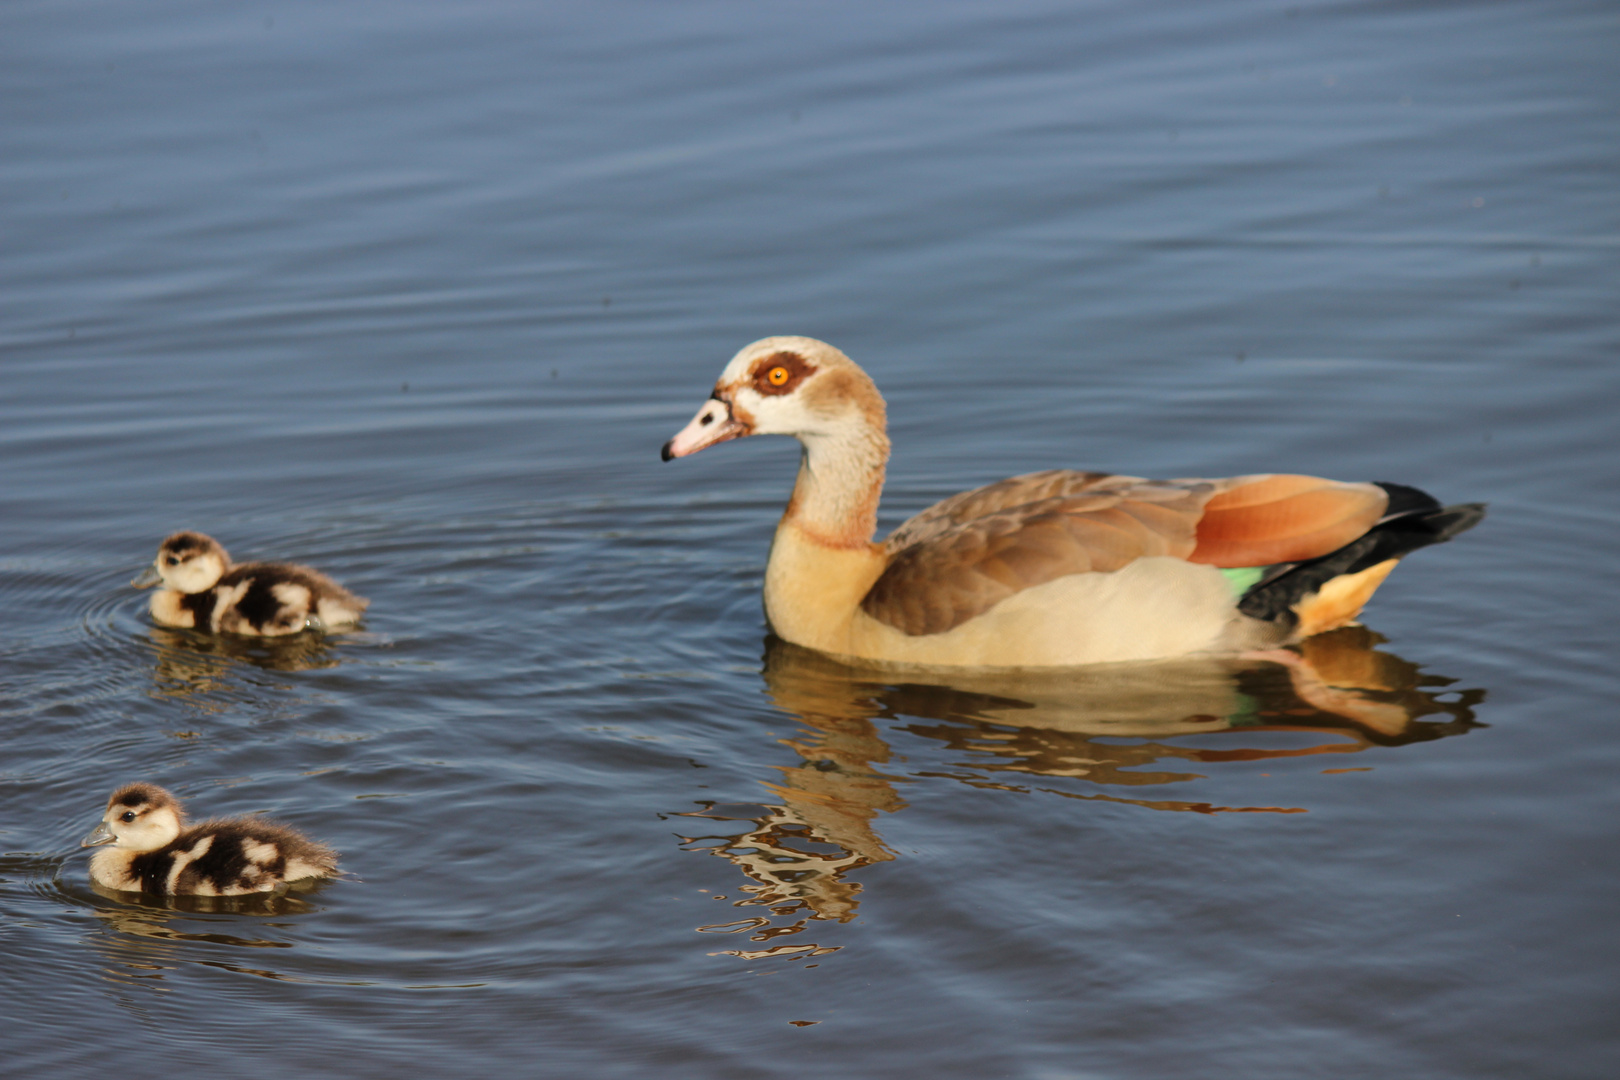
(1319, 594)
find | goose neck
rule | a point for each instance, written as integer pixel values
(835, 498)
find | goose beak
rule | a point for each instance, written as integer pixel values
(98, 836)
(713, 423)
(147, 578)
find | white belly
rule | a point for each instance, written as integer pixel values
(1152, 609)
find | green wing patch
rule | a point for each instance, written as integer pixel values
(1243, 578)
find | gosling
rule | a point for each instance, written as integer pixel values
(204, 591)
(153, 851)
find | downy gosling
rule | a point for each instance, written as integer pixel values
(154, 852)
(202, 590)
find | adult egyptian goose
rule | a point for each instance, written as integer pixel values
(1051, 568)
(154, 852)
(205, 591)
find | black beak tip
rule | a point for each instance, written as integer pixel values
(664, 453)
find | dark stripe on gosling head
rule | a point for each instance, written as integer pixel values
(189, 543)
(142, 794)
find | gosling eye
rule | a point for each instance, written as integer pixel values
(172, 560)
(127, 815)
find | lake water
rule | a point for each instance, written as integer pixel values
(414, 292)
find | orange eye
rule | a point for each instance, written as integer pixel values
(778, 376)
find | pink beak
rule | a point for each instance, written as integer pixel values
(712, 424)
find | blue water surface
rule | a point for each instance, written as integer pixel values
(414, 292)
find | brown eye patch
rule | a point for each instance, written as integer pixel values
(781, 373)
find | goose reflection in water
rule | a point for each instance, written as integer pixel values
(1106, 726)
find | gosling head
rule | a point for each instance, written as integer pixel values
(188, 562)
(786, 386)
(139, 817)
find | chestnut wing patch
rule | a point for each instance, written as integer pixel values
(1262, 520)
(961, 557)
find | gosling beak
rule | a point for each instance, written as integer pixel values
(98, 836)
(712, 424)
(147, 578)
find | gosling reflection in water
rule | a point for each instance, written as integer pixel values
(148, 913)
(191, 664)
(145, 936)
(1333, 694)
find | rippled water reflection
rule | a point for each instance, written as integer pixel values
(414, 296)
(1109, 726)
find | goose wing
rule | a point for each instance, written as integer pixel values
(963, 556)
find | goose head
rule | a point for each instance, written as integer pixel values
(139, 817)
(189, 562)
(788, 386)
